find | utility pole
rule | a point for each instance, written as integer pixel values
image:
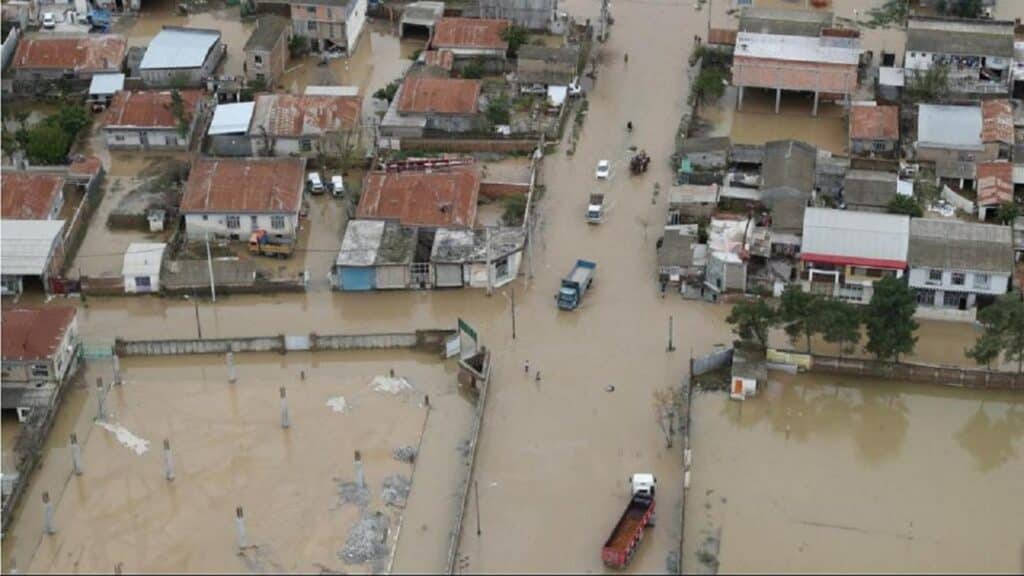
(513, 312)
(708, 37)
(603, 30)
(671, 346)
(209, 265)
(476, 489)
(195, 301)
(490, 275)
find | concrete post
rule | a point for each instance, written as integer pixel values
(814, 112)
(739, 99)
(778, 99)
(76, 455)
(117, 370)
(360, 478)
(48, 525)
(285, 422)
(101, 400)
(168, 461)
(230, 359)
(243, 542)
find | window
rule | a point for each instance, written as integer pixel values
(879, 145)
(205, 217)
(254, 222)
(934, 276)
(959, 278)
(257, 58)
(981, 281)
(119, 138)
(277, 222)
(233, 222)
(310, 11)
(305, 144)
(926, 297)
(954, 300)
(142, 282)
(41, 370)
(501, 269)
(311, 26)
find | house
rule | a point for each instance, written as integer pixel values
(284, 124)
(233, 197)
(547, 66)
(692, 202)
(471, 38)
(681, 259)
(706, 153)
(435, 63)
(228, 134)
(146, 120)
(874, 131)
(266, 51)
(844, 253)
(956, 266)
(530, 14)
(102, 89)
(822, 65)
(425, 103)
(433, 199)
(995, 187)
(784, 21)
(179, 56)
(375, 255)
(54, 58)
(141, 268)
(957, 138)
(420, 17)
(31, 195)
(891, 81)
(330, 25)
(787, 183)
(869, 190)
(32, 250)
(476, 258)
(978, 54)
(829, 175)
(39, 351)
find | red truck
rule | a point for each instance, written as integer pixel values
(629, 531)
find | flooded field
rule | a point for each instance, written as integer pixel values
(819, 474)
(230, 450)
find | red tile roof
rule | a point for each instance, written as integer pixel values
(244, 185)
(33, 333)
(874, 123)
(310, 115)
(28, 195)
(422, 95)
(89, 54)
(440, 58)
(995, 183)
(86, 166)
(440, 199)
(997, 121)
(722, 36)
(470, 33)
(149, 109)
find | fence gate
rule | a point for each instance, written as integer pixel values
(296, 343)
(96, 351)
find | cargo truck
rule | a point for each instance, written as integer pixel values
(595, 208)
(629, 531)
(261, 243)
(576, 284)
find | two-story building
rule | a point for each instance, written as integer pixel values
(957, 138)
(146, 120)
(874, 131)
(266, 50)
(39, 350)
(955, 267)
(234, 197)
(330, 25)
(978, 54)
(31, 195)
(844, 253)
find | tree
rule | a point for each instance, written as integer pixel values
(180, 113)
(889, 13)
(388, 92)
(959, 8)
(498, 111)
(1003, 332)
(710, 84)
(516, 36)
(46, 143)
(666, 410)
(515, 210)
(890, 319)
(799, 313)
(1008, 213)
(751, 320)
(840, 324)
(475, 69)
(932, 85)
(905, 205)
(71, 119)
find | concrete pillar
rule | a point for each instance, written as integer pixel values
(814, 112)
(168, 461)
(360, 478)
(101, 400)
(48, 525)
(76, 455)
(739, 99)
(230, 359)
(285, 422)
(117, 370)
(778, 99)
(243, 542)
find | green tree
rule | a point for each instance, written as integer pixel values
(889, 13)
(47, 144)
(840, 324)
(799, 313)
(516, 36)
(388, 92)
(932, 85)
(1008, 213)
(515, 210)
(71, 119)
(905, 205)
(890, 319)
(752, 319)
(1003, 332)
(180, 113)
(475, 69)
(498, 111)
(710, 84)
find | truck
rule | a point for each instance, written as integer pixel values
(263, 244)
(595, 208)
(618, 550)
(576, 284)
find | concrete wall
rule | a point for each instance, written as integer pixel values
(197, 226)
(427, 340)
(191, 77)
(273, 62)
(451, 123)
(927, 154)
(151, 139)
(233, 145)
(997, 283)
(10, 44)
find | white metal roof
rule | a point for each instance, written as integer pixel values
(856, 234)
(361, 243)
(104, 84)
(179, 48)
(143, 259)
(26, 245)
(231, 118)
(331, 91)
(891, 76)
(794, 48)
(949, 126)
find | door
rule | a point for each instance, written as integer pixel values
(357, 279)
(448, 275)
(142, 284)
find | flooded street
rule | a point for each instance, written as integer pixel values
(818, 473)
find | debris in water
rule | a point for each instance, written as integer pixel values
(367, 540)
(609, 388)
(390, 385)
(396, 490)
(405, 454)
(352, 493)
(125, 437)
(338, 404)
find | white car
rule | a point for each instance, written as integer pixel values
(604, 170)
(316, 185)
(49, 20)
(337, 186)
(574, 88)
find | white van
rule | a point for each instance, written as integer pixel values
(316, 186)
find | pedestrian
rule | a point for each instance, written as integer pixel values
(526, 367)
(537, 378)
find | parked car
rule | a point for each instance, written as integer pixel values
(533, 89)
(337, 186)
(604, 170)
(574, 87)
(49, 20)
(315, 184)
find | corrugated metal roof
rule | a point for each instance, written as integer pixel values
(794, 49)
(956, 245)
(244, 185)
(784, 21)
(143, 259)
(331, 91)
(855, 235)
(105, 84)
(269, 29)
(942, 126)
(26, 245)
(293, 116)
(34, 333)
(87, 54)
(423, 95)
(962, 37)
(422, 198)
(874, 122)
(176, 47)
(361, 242)
(869, 188)
(29, 195)
(149, 109)
(231, 118)
(470, 33)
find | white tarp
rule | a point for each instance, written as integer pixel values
(557, 95)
